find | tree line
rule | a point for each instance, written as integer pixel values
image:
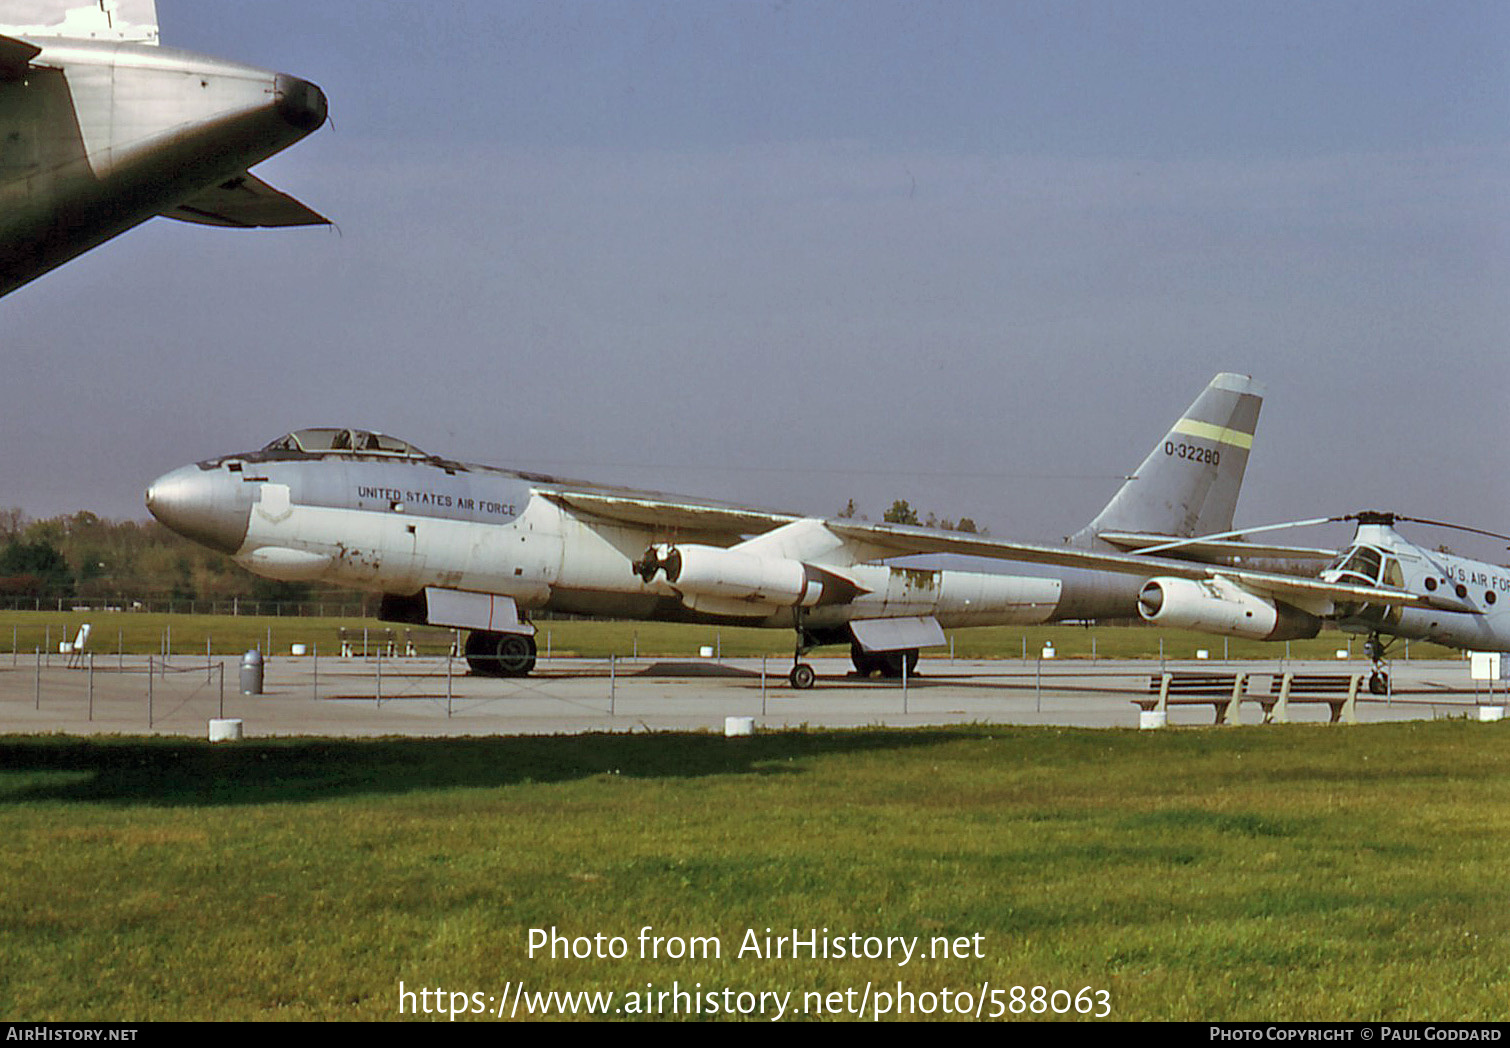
(83, 555)
(901, 512)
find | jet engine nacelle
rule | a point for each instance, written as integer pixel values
(708, 574)
(1219, 606)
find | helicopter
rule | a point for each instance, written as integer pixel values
(1381, 585)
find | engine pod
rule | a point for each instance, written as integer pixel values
(1222, 607)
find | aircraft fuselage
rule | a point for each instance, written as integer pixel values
(399, 526)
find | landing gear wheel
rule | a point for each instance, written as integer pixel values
(1378, 682)
(500, 654)
(886, 663)
(802, 676)
(867, 664)
(476, 653)
(891, 662)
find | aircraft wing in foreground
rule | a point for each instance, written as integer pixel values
(101, 129)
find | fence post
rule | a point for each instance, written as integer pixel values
(904, 683)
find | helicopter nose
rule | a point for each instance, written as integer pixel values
(208, 506)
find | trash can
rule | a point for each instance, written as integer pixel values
(251, 673)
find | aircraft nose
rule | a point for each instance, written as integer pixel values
(301, 103)
(205, 505)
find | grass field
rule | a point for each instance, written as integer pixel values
(142, 634)
(1294, 873)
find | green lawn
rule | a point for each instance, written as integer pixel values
(1300, 872)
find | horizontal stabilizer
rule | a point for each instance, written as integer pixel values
(245, 202)
(1212, 549)
(15, 56)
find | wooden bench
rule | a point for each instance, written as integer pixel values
(366, 642)
(1338, 690)
(442, 641)
(1222, 691)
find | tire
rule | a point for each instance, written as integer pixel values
(500, 654)
(1378, 682)
(891, 662)
(867, 665)
(802, 676)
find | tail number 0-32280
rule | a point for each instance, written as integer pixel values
(1191, 453)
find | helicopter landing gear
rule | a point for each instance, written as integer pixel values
(1378, 680)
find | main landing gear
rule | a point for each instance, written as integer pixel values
(1378, 680)
(500, 654)
(889, 664)
(885, 663)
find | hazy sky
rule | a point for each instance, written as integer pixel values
(975, 255)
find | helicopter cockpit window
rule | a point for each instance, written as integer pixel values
(1362, 564)
(1366, 566)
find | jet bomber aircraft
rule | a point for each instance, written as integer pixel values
(478, 548)
(102, 129)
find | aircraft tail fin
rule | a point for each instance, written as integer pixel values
(1188, 485)
(130, 21)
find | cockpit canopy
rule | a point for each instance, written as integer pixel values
(1366, 566)
(325, 439)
